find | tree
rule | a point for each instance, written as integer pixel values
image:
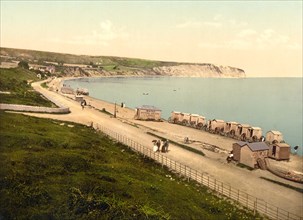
(23, 64)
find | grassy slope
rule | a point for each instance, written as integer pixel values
(50, 170)
(15, 81)
(105, 61)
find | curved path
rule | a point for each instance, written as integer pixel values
(213, 163)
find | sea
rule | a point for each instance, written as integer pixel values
(269, 103)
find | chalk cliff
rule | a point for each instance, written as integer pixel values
(200, 70)
(87, 66)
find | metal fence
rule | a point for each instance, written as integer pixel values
(249, 201)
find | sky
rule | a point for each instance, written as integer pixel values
(264, 38)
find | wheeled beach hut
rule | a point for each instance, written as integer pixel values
(274, 137)
(230, 128)
(254, 134)
(279, 151)
(242, 131)
(148, 113)
(200, 122)
(193, 119)
(250, 153)
(175, 117)
(216, 125)
(184, 118)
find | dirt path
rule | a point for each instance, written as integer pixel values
(251, 182)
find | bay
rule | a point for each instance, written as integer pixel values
(269, 103)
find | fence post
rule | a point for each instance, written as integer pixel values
(255, 207)
(230, 191)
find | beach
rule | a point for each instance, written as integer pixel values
(213, 163)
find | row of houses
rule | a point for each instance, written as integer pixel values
(50, 69)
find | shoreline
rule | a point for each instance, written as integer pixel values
(257, 182)
(265, 126)
(128, 113)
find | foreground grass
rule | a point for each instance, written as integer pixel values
(55, 170)
(15, 81)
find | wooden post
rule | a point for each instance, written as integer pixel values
(255, 207)
(115, 111)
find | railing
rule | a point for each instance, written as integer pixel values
(249, 201)
(29, 108)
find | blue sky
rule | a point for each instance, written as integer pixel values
(262, 37)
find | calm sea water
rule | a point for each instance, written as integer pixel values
(269, 103)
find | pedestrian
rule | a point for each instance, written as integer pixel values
(158, 145)
(163, 148)
(82, 105)
(296, 149)
(166, 145)
(155, 147)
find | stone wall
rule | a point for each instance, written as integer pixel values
(28, 108)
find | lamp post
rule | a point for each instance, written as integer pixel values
(115, 111)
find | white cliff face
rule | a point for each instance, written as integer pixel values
(200, 70)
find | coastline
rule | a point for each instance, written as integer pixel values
(257, 182)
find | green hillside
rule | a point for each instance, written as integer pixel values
(16, 81)
(61, 170)
(40, 56)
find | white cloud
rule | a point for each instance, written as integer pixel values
(237, 24)
(199, 24)
(247, 33)
(103, 35)
(249, 39)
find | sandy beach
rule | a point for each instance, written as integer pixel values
(213, 163)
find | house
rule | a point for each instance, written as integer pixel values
(50, 69)
(148, 113)
(249, 153)
(279, 151)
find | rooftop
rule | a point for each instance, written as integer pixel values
(256, 146)
(275, 132)
(148, 107)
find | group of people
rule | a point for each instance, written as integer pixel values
(158, 148)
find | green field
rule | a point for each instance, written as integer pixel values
(60, 170)
(16, 81)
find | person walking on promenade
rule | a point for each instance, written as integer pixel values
(159, 145)
(166, 143)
